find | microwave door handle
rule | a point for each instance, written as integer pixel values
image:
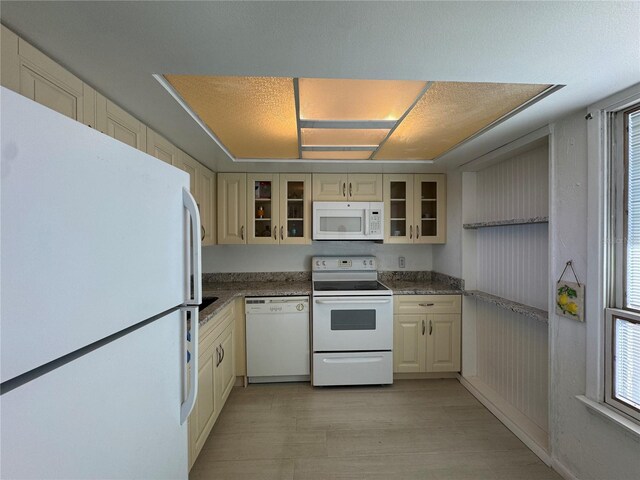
(196, 248)
(350, 302)
(366, 222)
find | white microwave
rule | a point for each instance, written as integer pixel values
(348, 220)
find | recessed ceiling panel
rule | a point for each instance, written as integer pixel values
(346, 99)
(254, 117)
(343, 137)
(340, 155)
(450, 112)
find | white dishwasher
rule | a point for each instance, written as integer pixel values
(277, 339)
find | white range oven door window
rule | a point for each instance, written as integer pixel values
(352, 323)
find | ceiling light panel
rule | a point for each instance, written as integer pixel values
(254, 117)
(337, 136)
(336, 155)
(347, 99)
(450, 112)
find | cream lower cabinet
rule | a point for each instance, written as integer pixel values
(355, 187)
(216, 376)
(426, 333)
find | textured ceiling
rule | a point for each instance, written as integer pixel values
(591, 47)
(257, 118)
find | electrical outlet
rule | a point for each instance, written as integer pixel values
(401, 262)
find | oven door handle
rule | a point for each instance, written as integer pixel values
(350, 302)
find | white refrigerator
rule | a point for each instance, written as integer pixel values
(99, 244)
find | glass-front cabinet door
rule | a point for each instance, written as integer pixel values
(398, 204)
(295, 209)
(263, 203)
(429, 205)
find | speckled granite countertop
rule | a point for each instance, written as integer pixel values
(424, 287)
(227, 291)
(230, 286)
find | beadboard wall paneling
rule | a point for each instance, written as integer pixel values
(512, 263)
(515, 188)
(513, 360)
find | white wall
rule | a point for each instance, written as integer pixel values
(587, 445)
(446, 257)
(290, 258)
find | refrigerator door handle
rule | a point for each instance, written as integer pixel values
(196, 248)
(190, 401)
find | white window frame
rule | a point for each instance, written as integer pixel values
(599, 283)
(609, 394)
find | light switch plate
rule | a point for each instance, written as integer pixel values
(401, 262)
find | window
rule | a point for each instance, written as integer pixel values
(622, 374)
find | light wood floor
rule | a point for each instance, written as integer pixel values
(415, 429)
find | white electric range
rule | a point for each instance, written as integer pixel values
(352, 323)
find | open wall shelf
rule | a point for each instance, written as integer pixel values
(502, 223)
(520, 308)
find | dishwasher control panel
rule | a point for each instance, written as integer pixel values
(261, 305)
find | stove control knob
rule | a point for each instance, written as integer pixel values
(300, 307)
(371, 262)
(324, 263)
(364, 262)
(317, 263)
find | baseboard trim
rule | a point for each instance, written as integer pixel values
(424, 376)
(562, 470)
(484, 397)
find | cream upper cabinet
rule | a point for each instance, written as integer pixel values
(329, 187)
(429, 208)
(203, 188)
(279, 208)
(9, 60)
(31, 73)
(415, 208)
(206, 181)
(232, 208)
(356, 187)
(398, 208)
(263, 203)
(188, 164)
(115, 122)
(427, 333)
(161, 148)
(295, 209)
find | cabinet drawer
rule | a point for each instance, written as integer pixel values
(427, 304)
(214, 327)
